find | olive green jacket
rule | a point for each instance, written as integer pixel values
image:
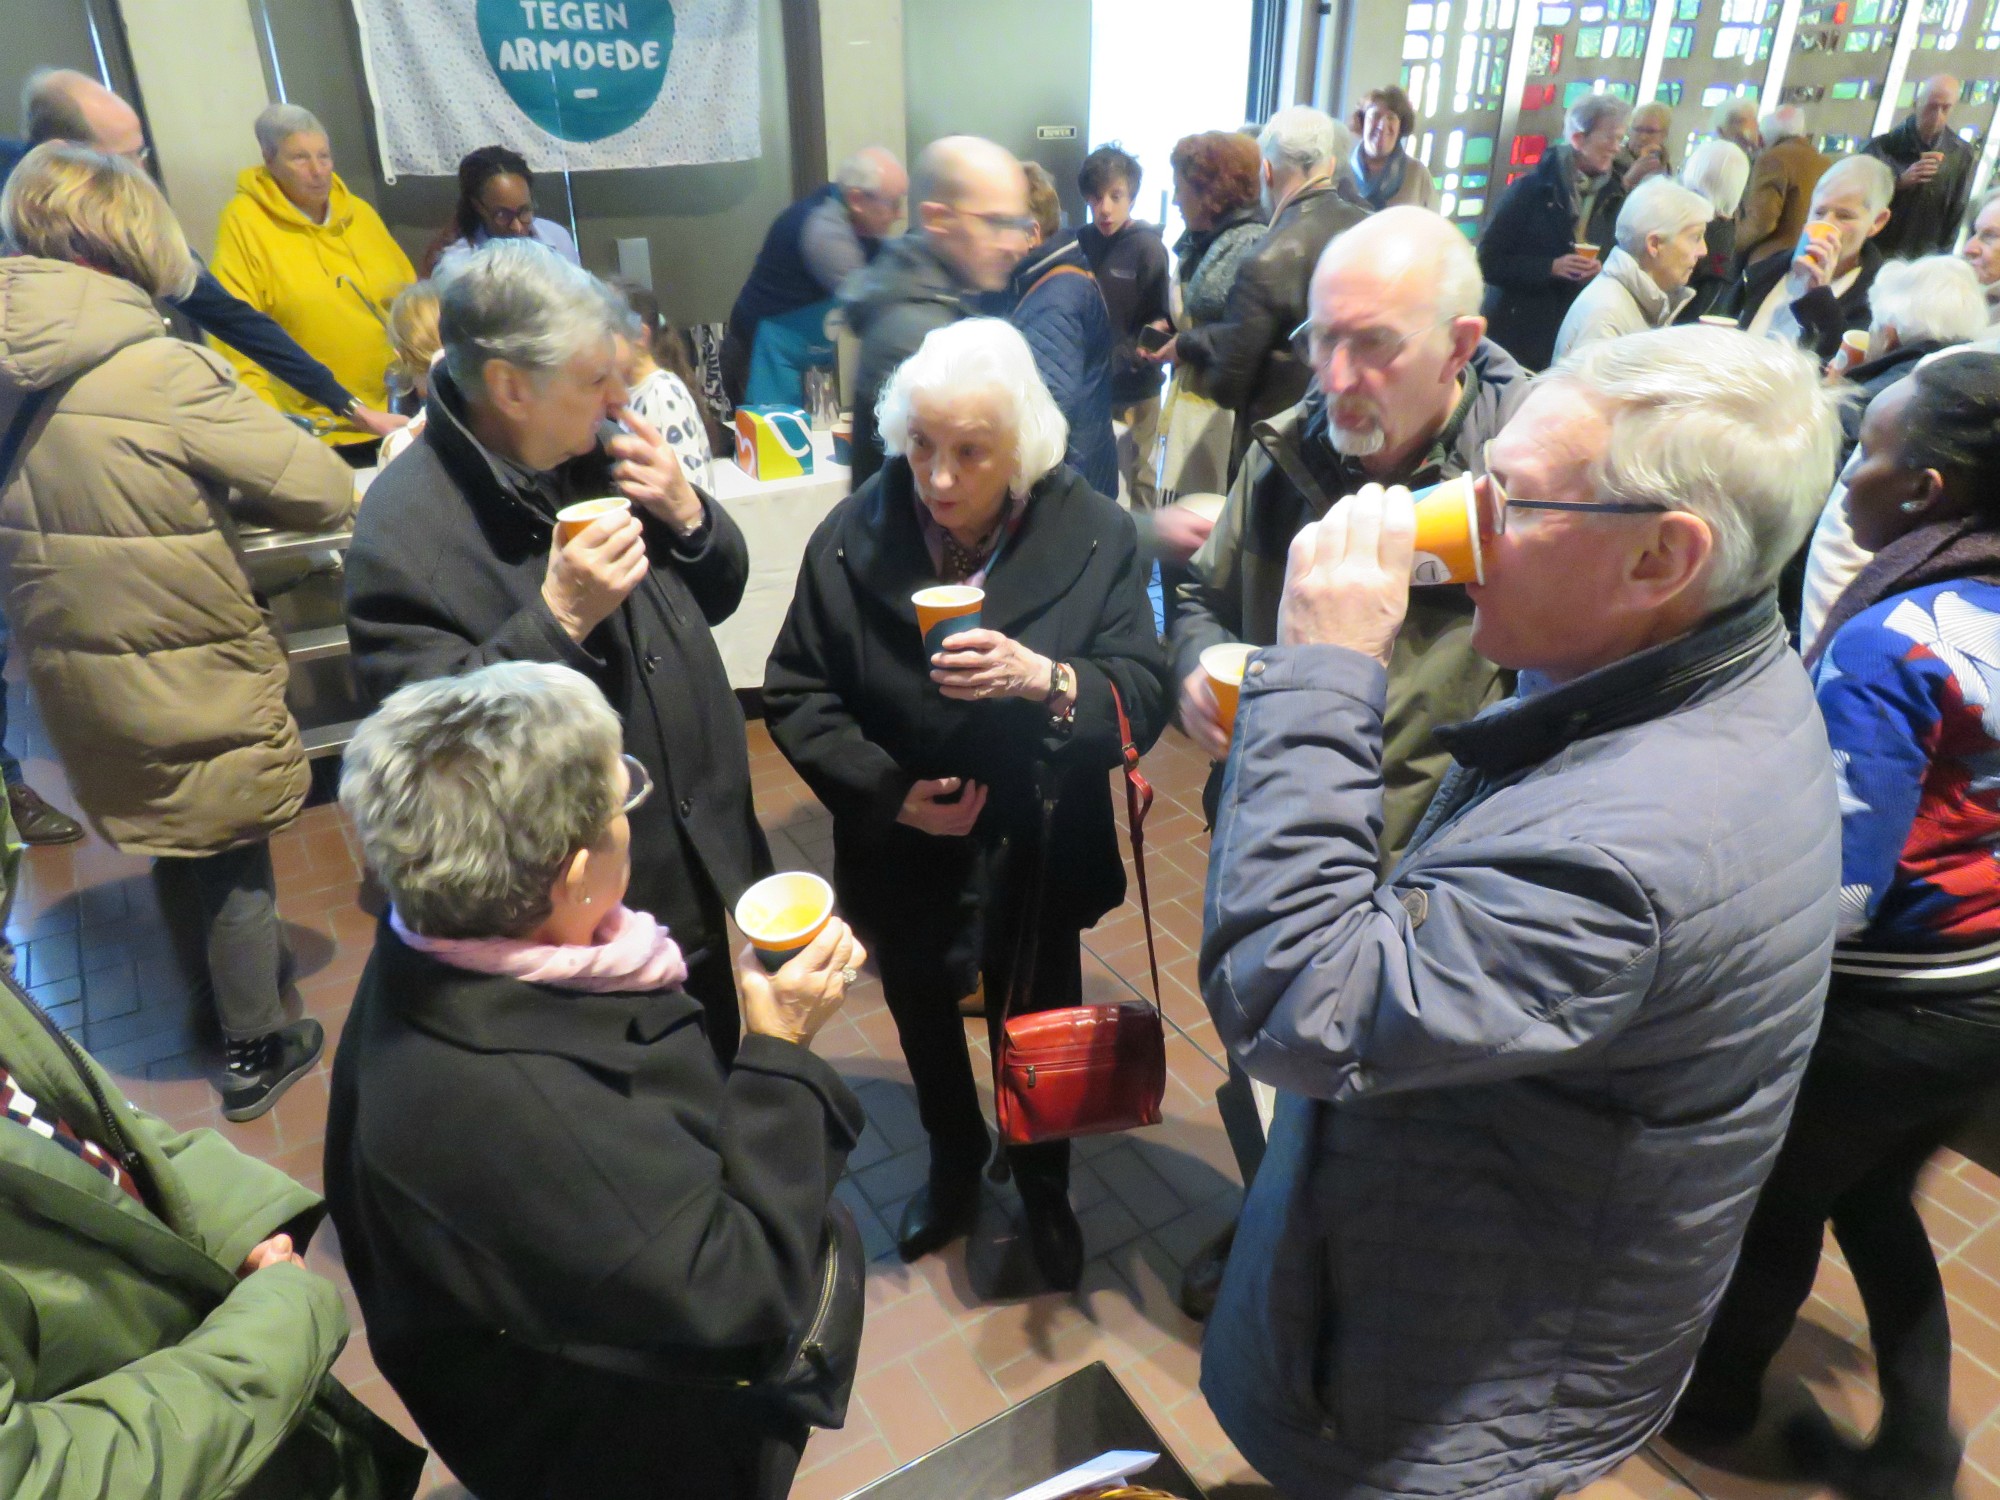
(133, 1363)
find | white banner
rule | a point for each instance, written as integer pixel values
(577, 84)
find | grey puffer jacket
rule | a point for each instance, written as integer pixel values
(1530, 1086)
(891, 304)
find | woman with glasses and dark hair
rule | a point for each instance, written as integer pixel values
(496, 201)
(1909, 1046)
(583, 1247)
(296, 245)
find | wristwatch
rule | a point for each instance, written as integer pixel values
(1061, 700)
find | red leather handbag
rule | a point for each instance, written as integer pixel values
(1083, 1069)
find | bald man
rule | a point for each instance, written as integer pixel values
(1406, 389)
(809, 251)
(969, 228)
(1933, 168)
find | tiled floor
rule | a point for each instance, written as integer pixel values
(935, 1360)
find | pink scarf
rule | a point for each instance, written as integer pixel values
(631, 952)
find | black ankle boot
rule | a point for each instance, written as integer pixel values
(939, 1211)
(1884, 1470)
(1054, 1236)
(258, 1069)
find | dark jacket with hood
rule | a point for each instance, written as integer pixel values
(890, 304)
(1061, 313)
(1132, 272)
(1245, 360)
(1533, 227)
(445, 575)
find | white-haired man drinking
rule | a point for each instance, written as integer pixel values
(1529, 1086)
(1820, 290)
(1662, 235)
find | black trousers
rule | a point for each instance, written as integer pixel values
(955, 913)
(1886, 1086)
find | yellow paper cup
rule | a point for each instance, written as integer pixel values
(782, 914)
(1585, 249)
(572, 519)
(1224, 665)
(1448, 545)
(946, 610)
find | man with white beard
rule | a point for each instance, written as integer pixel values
(1406, 390)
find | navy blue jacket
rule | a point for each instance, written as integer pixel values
(1061, 313)
(780, 281)
(1533, 226)
(239, 325)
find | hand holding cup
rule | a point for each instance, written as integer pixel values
(976, 664)
(794, 1003)
(1347, 577)
(591, 572)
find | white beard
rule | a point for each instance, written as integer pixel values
(1354, 442)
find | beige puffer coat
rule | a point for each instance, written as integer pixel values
(158, 674)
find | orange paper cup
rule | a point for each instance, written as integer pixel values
(946, 610)
(572, 519)
(1224, 665)
(1854, 344)
(1585, 248)
(1448, 545)
(782, 914)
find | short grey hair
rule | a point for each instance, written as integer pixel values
(1592, 110)
(863, 171)
(278, 123)
(1654, 109)
(50, 109)
(470, 794)
(513, 300)
(1783, 123)
(1739, 431)
(1935, 297)
(1729, 111)
(979, 354)
(1659, 205)
(1719, 170)
(1302, 139)
(1877, 182)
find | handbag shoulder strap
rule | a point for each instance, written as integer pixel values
(1138, 802)
(1052, 272)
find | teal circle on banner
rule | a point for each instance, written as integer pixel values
(580, 69)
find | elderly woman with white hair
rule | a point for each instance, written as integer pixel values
(1661, 238)
(935, 758)
(1819, 290)
(585, 1251)
(1719, 170)
(1915, 308)
(298, 246)
(457, 563)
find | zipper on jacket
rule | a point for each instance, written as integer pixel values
(810, 1347)
(121, 1148)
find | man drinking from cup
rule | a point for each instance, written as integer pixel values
(1815, 294)
(1530, 1085)
(1934, 170)
(457, 563)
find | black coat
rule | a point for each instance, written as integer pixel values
(1245, 360)
(1823, 317)
(445, 575)
(1533, 227)
(516, 1169)
(892, 304)
(849, 700)
(1924, 220)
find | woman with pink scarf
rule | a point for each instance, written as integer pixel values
(592, 1262)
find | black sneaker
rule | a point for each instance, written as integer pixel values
(37, 822)
(258, 1071)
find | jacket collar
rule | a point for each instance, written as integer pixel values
(1063, 250)
(492, 1014)
(1656, 305)
(1525, 731)
(883, 547)
(498, 487)
(1302, 195)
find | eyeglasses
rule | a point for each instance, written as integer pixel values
(1004, 223)
(509, 218)
(639, 785)
(1501, 502)
(1371, 348)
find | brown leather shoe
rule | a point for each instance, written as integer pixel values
(974, 1004)
(36, 821)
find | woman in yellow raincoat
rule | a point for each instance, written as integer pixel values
(297, 244)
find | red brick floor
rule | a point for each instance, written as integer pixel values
(935, 1359)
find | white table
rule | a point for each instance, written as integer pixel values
(778, 518)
